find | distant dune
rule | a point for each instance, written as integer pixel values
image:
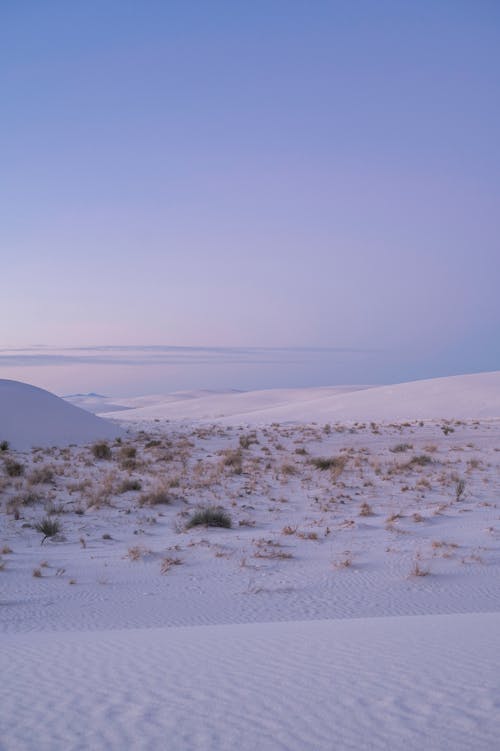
(465, 396)
(30, 416)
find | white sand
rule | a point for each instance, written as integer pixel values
(457, 397)
(385, 683)
(305, 626)
(30, 416)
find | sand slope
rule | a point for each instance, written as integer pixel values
(30, 416)
(425, 682)
(454, 397)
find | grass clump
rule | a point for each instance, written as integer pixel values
(234, 460)
(128, 452)
(459, 489)
(48, 527)
(247, 440)
(101, 450)
(13, 468)
(156, 498)
(210, 517)
(400, 448)
(127, 485)
(336, 463)
(42, 475)
(421, 460)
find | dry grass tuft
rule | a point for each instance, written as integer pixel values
(168, 562)
(160, 496)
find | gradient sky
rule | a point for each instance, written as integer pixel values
(276, 174)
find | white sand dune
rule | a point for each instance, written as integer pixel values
(30, 416)
(454, 397)
(425, 682)
(311, 624)
(241, 406)
(99, 404)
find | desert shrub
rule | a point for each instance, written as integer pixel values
(128, 464)
(212, 516)
(4, 445)
(401, 448)
(41, 475)
(234, 460)
(127, 485)
(447, 429)
(128, 452)
(421, 460)
(27, 498)
(156, 498)
(334, 462)
(48, 527)
(247, 440)
(13, 468)
(101, 450)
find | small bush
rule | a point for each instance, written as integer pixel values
(13, 468)
(421, 460)
(234, 460)
(48, 527)
(127, 485)
(247, 440)
(210, 517)
(41, 475)
(4, 445)
(28, 498)
(101, 450)
(128, 452)
(156, 498)
(401, 448)
(447, 429)
(152, 444)
(334, 462)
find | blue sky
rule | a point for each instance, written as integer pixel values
(245, 175)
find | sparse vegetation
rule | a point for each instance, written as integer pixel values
(13, 467)
(459, 489)
(101, 450)
(41, 475)
(400, 448)
(168, 562)
(212, 516)
(160, 496)
(334, 462)
(128, 485)
(48, 527)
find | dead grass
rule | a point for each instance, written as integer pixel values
(168, 562)
(137, 552)
(158, 497)
(41, 475)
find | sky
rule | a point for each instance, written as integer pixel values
(318, 181)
